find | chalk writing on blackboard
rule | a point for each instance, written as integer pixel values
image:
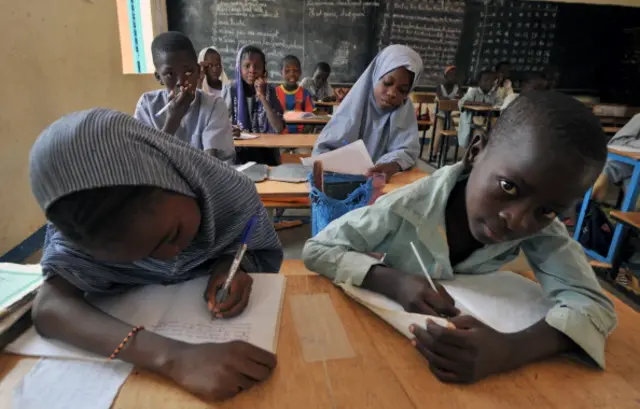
(431, 27)
(518, 31)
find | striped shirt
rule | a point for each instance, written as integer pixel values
(99, 148)
(298, 100)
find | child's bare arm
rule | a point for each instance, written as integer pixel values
(210, 371)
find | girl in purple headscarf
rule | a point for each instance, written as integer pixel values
(253, 104)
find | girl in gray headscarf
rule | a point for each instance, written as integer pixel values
(378, 111)
(128, 206)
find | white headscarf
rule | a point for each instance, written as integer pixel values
(223, 75)
(390, 136)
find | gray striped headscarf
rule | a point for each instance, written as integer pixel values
(101, 148)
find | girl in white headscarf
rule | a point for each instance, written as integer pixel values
(212, 77)
(378, 111)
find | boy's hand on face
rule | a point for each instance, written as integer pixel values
(237, 298)
(219, 371)
(261, 87)
(415, 294)
(466, 354)
(181, 98)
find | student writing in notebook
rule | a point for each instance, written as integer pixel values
(127, 206)
(471, 218)
(193, 115)
(212, 75)
(378, 111)
(292, 96)
(319, 85)
(253, 104)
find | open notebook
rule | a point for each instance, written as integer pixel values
(503, 300)
(179, 312)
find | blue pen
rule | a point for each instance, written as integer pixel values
(222, 294)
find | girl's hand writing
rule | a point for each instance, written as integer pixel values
(466, 354)
(219, 371)
(415, 294)
(237, 298)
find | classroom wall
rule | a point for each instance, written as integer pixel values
(57, 57)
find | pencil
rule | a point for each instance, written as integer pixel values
(423, 267)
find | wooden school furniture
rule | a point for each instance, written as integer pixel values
(446, 134)
(628, 205)
(308, 121)
(384, 371)
(296, 195)
(270, 140)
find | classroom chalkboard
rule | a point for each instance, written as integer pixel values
(339, 32)
(433, 28)
(595, 47)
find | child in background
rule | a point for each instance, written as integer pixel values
(193, 116)
(472, 218)
(615, 171)
(532, 82)
(503, 85)
(293, 97)
(378, 111)
(253, 104)
(483, 94)
(212, 75)
(318, 85)
(449, 89)
(128, 206)
(552, 75)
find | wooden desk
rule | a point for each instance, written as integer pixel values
(269, 140)
(481, 109)
(626, 154)
(386, 372)
(326, 104)
(611, 129)
(276, 194)
(308, 121)
(630, 218)
(425, 124)
(271, 188)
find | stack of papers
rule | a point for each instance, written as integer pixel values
(352, 159)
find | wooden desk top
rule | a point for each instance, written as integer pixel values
(632, 155)
(611, 129)
(386, 372)
(630, 218)
(326, 103)
(307, 121)
(481, 108)
(271, 188)
(425, 123)
(269, 140)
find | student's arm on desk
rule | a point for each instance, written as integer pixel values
(582, 311)
(210, 371)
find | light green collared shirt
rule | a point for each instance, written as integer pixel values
(417, 213)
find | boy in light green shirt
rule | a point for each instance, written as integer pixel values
(473, 217)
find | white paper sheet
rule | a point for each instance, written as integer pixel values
(245, 136)
(503, 300)
(61, 384)
(352, 159)
(179, 312)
